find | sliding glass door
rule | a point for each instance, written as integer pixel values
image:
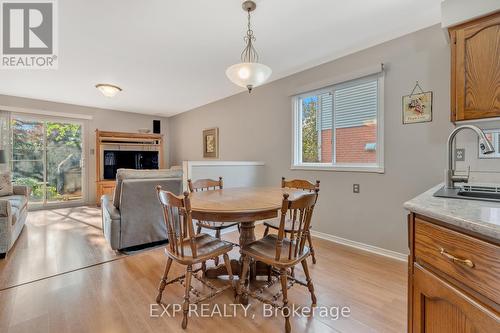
(48, 156)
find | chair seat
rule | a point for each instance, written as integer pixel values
(275, 224)
(265, 250)
(216, 225)
(207, 247)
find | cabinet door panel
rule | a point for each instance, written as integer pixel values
(439, 307)
(476, 71)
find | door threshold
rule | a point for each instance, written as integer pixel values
(56, 205)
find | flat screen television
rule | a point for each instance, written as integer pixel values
(117, 159)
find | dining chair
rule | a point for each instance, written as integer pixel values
(283, 253)
(207, 185)
(275, 224)
(187, 248)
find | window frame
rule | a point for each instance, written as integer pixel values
(297, 164)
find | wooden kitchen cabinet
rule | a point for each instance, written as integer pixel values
(475, 69)
(453, 279)
(441, 308)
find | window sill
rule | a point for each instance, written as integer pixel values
(337, 168)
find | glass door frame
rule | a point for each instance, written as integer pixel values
(46, 204)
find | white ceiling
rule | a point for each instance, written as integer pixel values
(170, 56)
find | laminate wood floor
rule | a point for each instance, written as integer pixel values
(54, 242)
(116, 296)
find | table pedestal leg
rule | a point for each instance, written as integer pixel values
(247, 235)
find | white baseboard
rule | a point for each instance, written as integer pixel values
(361, 246)
(339, 240)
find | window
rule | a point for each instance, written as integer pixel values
(494, 136)
(340, 127)
(47, 155)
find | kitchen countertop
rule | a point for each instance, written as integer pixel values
(481, 217)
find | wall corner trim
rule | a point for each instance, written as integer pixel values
(361, 246)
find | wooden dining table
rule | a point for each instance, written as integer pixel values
(242, 205)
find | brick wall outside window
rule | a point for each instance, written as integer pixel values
(326, 146)
(350, 145)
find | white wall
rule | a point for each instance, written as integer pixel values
(102, 119)
(235, 173)
(258, 127)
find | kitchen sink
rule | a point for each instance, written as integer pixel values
(480, 195)
(470, 192)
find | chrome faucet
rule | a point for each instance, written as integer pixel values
(484, 144)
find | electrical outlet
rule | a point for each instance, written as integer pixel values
(355, 188)
(460, 154)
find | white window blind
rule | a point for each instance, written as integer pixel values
(356, 105)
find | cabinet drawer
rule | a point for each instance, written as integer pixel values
(471, 261)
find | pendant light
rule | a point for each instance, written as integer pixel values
(249, 73)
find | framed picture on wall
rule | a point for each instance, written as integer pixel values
(417, 108)
(211, 143)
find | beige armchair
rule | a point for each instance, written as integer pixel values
(13, 213)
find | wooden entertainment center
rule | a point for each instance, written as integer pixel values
(119, 141)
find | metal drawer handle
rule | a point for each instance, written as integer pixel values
(466, 262)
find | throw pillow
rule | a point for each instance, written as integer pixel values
(5, 184)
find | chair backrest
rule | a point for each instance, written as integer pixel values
(123, 174)
(205, 185)
(301, 211)
(141, 215)
(299, 184)
(177, 216)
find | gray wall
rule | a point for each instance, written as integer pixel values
(258, 127)
(102, 119)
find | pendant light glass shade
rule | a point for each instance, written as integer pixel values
(248, 74)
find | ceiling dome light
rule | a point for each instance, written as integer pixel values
(108, 90)
(249, 73)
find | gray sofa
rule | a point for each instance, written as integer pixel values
(13, 213)
(133, 216)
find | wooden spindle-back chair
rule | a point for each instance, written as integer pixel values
(284, 253)
(187, 248)
(201, 185)
(301, 185)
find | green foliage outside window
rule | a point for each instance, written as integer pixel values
(309, 130)
(35, 143)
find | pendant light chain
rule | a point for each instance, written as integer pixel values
(249, 54)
